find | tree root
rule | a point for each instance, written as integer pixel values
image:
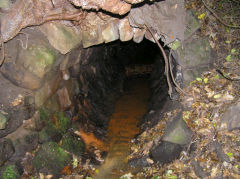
(165, 60)
(168, 67)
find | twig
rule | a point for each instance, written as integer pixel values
(3, 51)
(227, 77)
(175, 83)
(218, 18)
(165, 59)
(52, 3)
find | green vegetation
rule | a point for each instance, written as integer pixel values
(52, 157)
(10, 172)
(63, 123)
(73, 144)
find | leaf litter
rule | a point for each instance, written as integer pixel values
(216, 150)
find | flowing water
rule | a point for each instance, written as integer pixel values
(123, 126)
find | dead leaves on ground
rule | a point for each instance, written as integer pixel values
(209, 96)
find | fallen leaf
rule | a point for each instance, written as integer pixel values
(201, 16)
(217, 96)
(228, 58)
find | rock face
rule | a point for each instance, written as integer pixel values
(177, 131)
(48, 89)
(113, 6)
(5, 4)
(125, 30)
(61, 37)
(31, 58)
(3, 121)
(231, 118)
(193, 24)
(195, 58)
(195, 54)
(110, 33)
(6, 150)
(165, 152)
(165, 17)
(15, 119)
(23, 141)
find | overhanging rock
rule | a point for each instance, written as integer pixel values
(167, 18)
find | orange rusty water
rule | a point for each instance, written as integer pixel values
(123, 126)
(91, 140)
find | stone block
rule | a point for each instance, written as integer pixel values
(61, 37)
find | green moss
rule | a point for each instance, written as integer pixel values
(63, 123)
(49, 133)
(44, 114)
(44, 56)
(29, 138)
(178, 138)
(51, 157)
(38, 59)
(10, 172)
(73, 144)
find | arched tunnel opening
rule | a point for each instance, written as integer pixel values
(118, 89)
(118, 66)
(121, 90)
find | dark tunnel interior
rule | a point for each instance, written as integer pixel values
(112, 70)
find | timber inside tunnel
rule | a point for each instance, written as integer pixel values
(81, 80)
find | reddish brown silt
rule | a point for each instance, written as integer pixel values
(123, 126)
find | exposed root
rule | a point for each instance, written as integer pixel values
(170, 69)
(165, 60)
(64, 16)
(26, 44)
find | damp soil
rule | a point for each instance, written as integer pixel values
(123, 126)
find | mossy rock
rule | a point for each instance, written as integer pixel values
(73, 144)
(192, 24)
(49, 133)
(38, 59)
(3, 121)
(177, 131)
(195, 52)
(6, 150)
(51, 159)
(9, 172)
(5, 4)
(43, 119)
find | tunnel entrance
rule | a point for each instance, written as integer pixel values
(115, 68)
(140, 85)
